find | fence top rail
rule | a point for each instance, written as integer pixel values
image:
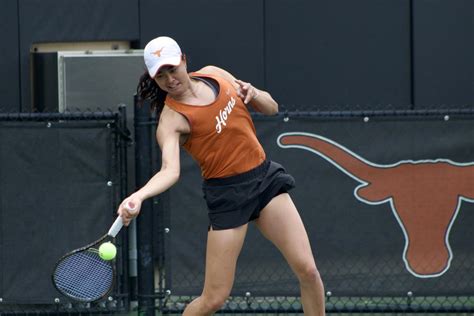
(377, 113)
(382, 114)
(67, 116)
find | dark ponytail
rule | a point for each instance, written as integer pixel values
(148, 89)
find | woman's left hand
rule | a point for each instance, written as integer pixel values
(246, 91)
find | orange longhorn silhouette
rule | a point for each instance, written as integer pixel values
(425, 196)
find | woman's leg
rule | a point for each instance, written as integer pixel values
(223, 248)
(280, 222)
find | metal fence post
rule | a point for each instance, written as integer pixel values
(143, 168)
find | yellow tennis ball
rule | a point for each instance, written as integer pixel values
(107, 251)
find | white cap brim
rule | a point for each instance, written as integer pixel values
(171, 61)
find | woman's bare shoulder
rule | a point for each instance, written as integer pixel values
(210, 70)
(219, 72)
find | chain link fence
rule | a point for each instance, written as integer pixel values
(334, 305)
(277, 298)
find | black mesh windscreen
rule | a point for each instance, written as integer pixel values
(387, 203)
(57, 185)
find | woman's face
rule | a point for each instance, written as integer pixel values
(173, 79)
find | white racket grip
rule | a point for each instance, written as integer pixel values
(116, 227)
(118, 224)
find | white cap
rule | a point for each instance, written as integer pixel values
(159, 52)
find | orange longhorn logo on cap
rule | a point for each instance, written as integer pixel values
(157, 53)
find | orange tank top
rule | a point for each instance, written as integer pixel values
(223, 140)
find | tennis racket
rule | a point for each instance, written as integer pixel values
(82, 274)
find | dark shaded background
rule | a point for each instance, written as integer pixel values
(310, 54)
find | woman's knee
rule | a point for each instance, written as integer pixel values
(307, 273)
(214, 302)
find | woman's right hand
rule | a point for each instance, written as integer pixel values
(129, 209)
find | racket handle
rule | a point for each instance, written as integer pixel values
(116, 227)
(132, 208)
(118, 224)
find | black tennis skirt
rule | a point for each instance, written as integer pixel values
(236, 200)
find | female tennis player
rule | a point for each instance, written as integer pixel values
(206, 113)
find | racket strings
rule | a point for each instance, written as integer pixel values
(84, 276)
